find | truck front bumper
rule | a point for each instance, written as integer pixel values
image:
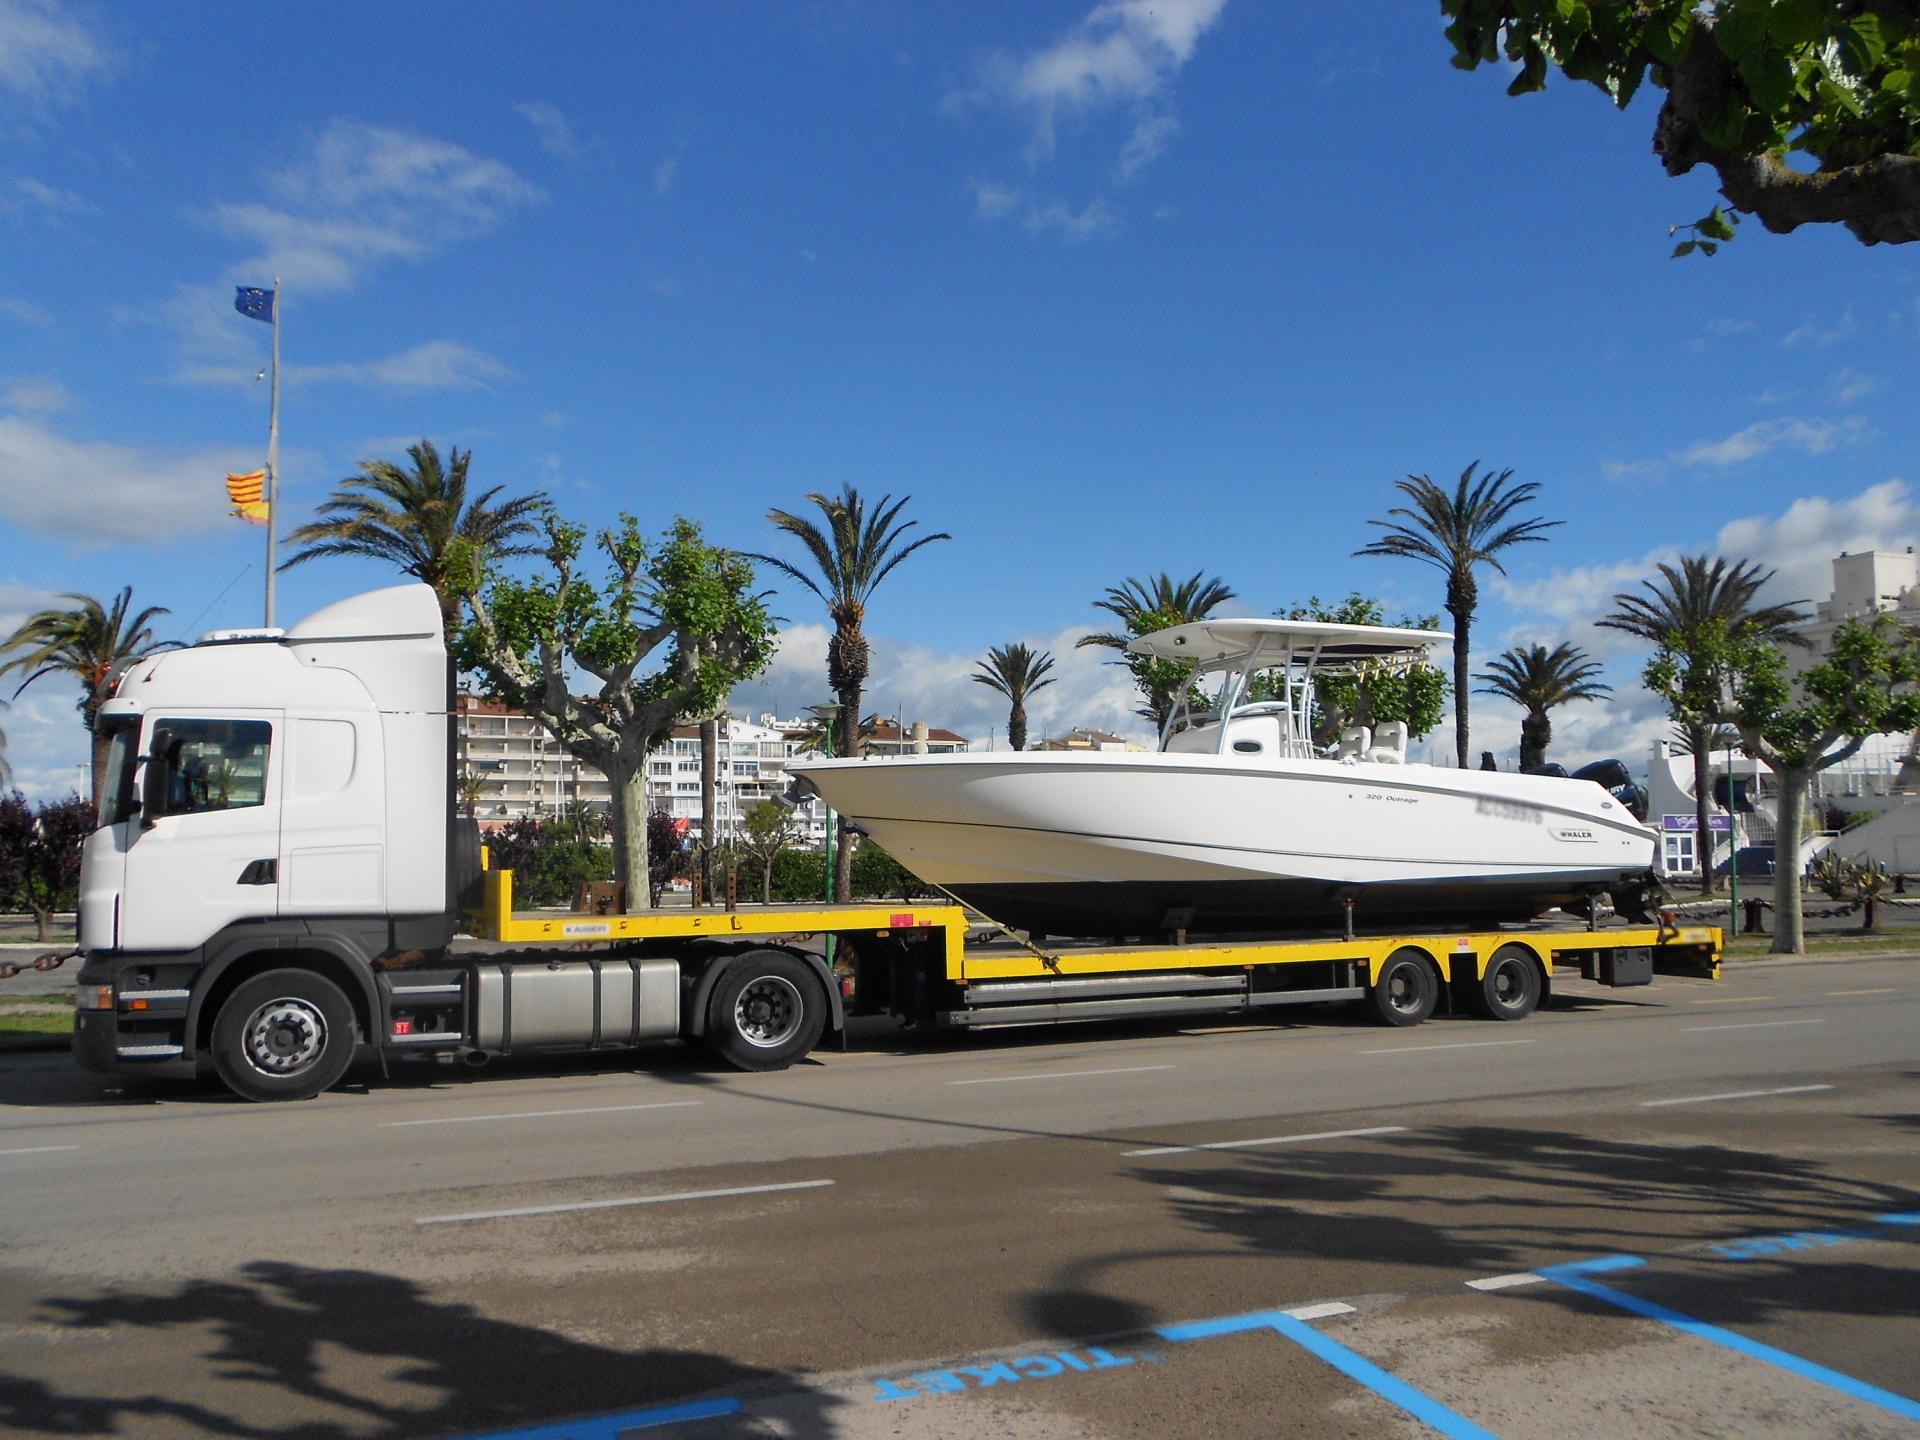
(126, 1023)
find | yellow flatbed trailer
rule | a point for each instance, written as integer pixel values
(918, 963)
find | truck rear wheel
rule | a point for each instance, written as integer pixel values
(1510, 990)
(766, 1012)
(1406, 989)
(284, 1035)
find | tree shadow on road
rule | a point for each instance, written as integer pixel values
(298, 1353)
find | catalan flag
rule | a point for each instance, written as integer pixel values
(249, 496)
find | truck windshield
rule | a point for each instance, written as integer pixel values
(116, 791)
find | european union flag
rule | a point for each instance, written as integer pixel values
(253, 302)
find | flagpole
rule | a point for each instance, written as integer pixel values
(273, 451)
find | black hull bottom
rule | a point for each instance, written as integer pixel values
(1287, 906)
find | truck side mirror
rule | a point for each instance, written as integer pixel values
(157, 782)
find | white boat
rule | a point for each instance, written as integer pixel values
(1240, 822)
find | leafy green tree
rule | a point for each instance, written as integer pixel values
(1539, 680)
(765, 831)
(1865, 686)
(421, 521)
(91, 643)
(1411, 691)
(1808, 111)
(878, 876)
(1454, 533)
(852, 552)
(40, 855)
(1157, 604)
(529, 638)
(1016, 672)
(1685, 612)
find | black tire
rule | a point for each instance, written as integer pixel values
(767, 1011)
(1407, 988)
(284, 1035)
(1511, 987)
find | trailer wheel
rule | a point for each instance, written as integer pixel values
(1510, 990)
(284, 1035)
(766, 1012)
(1405, 991)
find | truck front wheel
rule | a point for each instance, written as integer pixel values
(766, 1012)
(284, 1035)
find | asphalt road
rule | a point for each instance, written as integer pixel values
(1691, 1209)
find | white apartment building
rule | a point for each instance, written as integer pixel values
(520, 769)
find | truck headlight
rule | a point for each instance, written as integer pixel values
(94, 997)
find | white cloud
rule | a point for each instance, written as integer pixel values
(555, 131)
(1720, 328)
(37, 395)
(1056, 217)
(1815, 334)
(30, 199)
(1123, 54)
(434, 365)
(1808, 437)
(26, 312)
(369, 193)
(47, 57)
(664, 175)
(1849, 386)
(992, 201)
(88, 492)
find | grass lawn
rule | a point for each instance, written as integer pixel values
(1885, 942)
(35, 1022)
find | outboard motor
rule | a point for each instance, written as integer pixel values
(1730, 793)
(1636, 800)
(1557, 771)
(1608, 774)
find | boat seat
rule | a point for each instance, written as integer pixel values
(1354, 742)
(1389, 743)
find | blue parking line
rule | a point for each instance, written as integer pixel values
(1574, 1277)
(612, 1427)
(1428, 1411)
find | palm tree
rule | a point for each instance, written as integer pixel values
(1016, 672)
(1537, 679)
(1454, 533)
(853, 552)
(1702, 596)
(1158, 604)
(471, 786)
(421, 521)
(6, 770)
(92, 643)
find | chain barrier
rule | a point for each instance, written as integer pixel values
(52, 960)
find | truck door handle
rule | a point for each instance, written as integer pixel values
(260, 872)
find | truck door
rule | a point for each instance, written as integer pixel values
(207, 855)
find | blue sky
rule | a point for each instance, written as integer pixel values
(1108, 289)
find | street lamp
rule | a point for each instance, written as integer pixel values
(826, 714)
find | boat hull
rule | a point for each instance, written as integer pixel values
(1104, 845)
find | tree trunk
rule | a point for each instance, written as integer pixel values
(627, 784)
(849, 745)
(1461, 623)
(766, 880)
(1789, 937)
(1017, 727)
(1535, 733)
(42, 922)
(1698, 737)
(709, 805)
(101, 745)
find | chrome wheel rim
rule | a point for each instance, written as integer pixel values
(284, 1037)
(768, 1012)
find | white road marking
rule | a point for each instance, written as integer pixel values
(1319, 1312)
(1733, 1095)
(1506, 1282)
(622, 1203)
(1062, 1075)
(1750, 1025)
(1877, 990)
(38, 1149)
(1466, 1045)
(1269, 1140)
(538, 1114)
(1731, 1000)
